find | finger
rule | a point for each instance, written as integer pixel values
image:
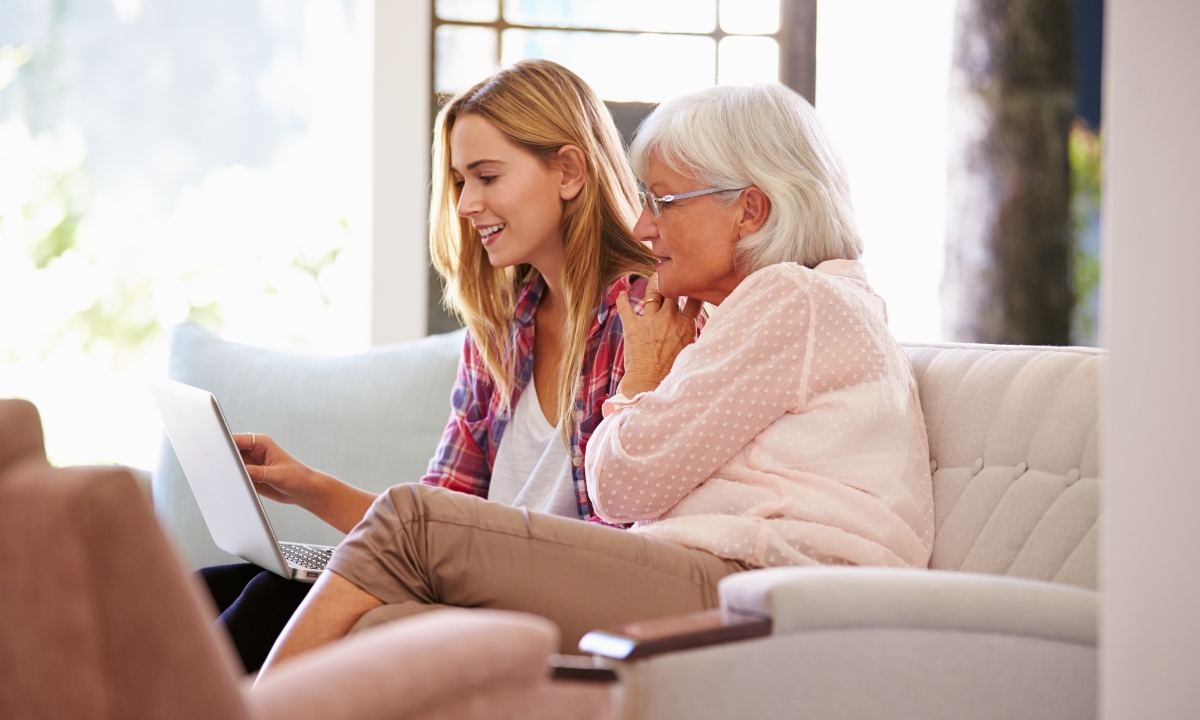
(269, 492)
(692, 308)
(652, 286)
(244, 441)
(625, 310)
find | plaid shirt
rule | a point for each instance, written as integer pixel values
(467, 453)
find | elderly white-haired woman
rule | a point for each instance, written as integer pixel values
(788, 433)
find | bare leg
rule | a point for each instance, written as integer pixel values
(327, 614)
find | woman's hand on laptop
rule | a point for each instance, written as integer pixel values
(280, 477)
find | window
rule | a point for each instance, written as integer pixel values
(166, 161)
(628, 50)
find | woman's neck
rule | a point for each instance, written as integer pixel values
(549, 266)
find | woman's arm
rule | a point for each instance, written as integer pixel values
(744, 372)
(459, 463)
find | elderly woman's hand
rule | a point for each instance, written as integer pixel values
(654, 339)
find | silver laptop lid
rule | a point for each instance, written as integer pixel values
(218, 478)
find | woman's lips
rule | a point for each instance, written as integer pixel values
(491, 239)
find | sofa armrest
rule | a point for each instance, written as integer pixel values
(824, 598)
(408, 669)
(681, 632)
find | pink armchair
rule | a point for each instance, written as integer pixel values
(99, 620)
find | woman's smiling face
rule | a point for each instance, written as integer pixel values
(512, 198)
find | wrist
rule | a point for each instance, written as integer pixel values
(632, 385)
(323, 492)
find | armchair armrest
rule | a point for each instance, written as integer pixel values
(681, 632)
(408, 669)
(786, 600)
(819, 598)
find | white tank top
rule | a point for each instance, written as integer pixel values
(533, 467)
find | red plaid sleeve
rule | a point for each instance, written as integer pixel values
(462, 461)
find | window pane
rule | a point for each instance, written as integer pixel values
(165, 161)
(465, 55)
(748, 60)
(469, 10)
(687, 16)
(750, 17)
(622, 68)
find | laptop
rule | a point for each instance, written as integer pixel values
(214, 469)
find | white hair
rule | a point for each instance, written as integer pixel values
(770, 137)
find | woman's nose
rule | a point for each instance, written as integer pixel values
(468, 202)
(646, 228)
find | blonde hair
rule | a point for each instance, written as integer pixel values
(540, 106)
(768, 136)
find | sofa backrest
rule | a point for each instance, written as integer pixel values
(372, 419)
(1013, 445)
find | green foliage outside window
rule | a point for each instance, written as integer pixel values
(1085, 157)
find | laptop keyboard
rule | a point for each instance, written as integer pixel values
(306, 556)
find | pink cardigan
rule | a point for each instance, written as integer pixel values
(789, 433)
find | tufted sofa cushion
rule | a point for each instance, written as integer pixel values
(1012, 442)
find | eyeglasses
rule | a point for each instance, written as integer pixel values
(656, 203)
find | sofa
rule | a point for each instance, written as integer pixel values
(1001, 625)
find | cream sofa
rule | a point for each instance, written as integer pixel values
(1004, 626)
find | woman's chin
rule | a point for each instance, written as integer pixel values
(666, 283)
(499, 259)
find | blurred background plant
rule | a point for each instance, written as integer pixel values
(1085, 154)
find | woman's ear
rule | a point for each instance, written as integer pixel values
(755, 206)
(573, 166)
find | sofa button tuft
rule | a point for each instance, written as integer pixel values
(1072, 477)
(978, 466)
(1022, 468)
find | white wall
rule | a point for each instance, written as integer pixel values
(401, 170)
(883, 71)
(1150, 625)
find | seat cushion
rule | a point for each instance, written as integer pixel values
(373, 419)
(1013, 444)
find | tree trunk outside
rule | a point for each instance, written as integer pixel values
(1008, 244)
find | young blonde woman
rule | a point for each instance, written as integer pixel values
(530, 227)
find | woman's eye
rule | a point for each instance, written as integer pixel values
(458, 184)
(487, 179)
